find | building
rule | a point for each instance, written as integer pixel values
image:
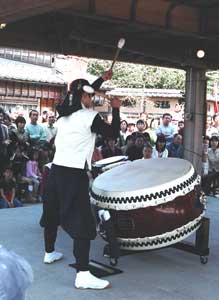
(154, 102)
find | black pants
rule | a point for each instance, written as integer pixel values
(81, 248)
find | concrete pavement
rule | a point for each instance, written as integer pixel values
(165, 274)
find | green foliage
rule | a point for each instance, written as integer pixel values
(139, 76)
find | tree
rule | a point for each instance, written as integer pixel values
(139, 76)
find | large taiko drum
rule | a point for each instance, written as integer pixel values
(153, 203)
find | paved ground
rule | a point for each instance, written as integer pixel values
(167, 274)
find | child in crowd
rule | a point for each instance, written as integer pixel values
(160, 150)
(33, 172)
(147, 151)
(8, 189)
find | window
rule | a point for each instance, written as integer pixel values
(162, 104)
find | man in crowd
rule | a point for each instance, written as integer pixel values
(36, 133)
(50, 129)
(166, 128)
(4, 142)
(175, 148)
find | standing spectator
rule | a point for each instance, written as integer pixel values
(21, 134)
(175, 149)
(111, 149)
(33, 172)
(4, 142)
(7, 190)
(160, 150)
(209, 129)
(166, 128)
(131, 127)
(215, 127)
(36, 132)
(141, 127)
(213, 166)
(123, 133)
(49, 127)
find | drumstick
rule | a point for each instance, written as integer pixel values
(120, 45)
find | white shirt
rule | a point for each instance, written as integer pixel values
(213, 160)
(74, 140)
(156, 154)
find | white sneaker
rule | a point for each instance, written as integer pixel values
(85, 280)
(51, 257)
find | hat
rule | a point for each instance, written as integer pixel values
(81, 85)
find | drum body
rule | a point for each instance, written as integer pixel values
(153, 203)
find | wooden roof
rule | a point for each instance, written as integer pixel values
(161, 32)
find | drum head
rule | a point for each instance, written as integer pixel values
(143, 183)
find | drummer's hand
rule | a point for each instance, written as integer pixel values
(107, 75)
(115, 102)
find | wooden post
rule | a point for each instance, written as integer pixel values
(195, 115)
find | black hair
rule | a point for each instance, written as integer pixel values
(7, 117)
(166, 114)
(129, 137)
(33, 110)
(214, 138)
(140, 121)
(161, 139)
(214, 116)
(20, 119)
(72, 101)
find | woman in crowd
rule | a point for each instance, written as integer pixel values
(123, 133)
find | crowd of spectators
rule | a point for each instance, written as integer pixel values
(27, 146)
(210, 156)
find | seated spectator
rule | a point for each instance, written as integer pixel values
(8, 190)
(134, 152)
(33, 172)
(123, 133)
(160, 150)
(147, 151)
(175, 149)
(111, 149)
(166, 129)
(139, 142)
(19, 162)
(36, 133)
(212, 173)
(181, 128)
(128, 142)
